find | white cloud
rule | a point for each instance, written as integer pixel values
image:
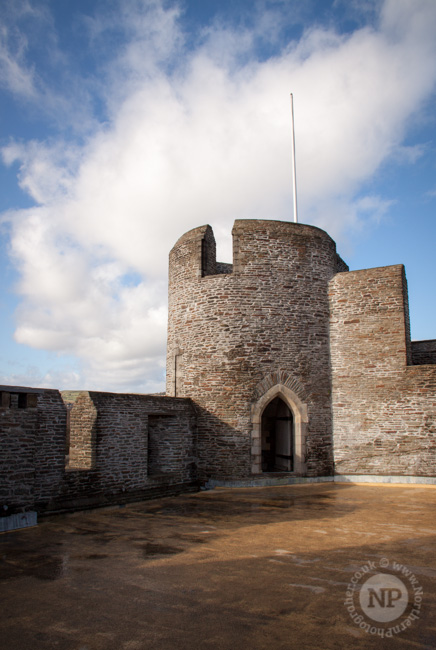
(14, 75)
(33, 377)
(203, 140)
(47, 171)
(37, 73)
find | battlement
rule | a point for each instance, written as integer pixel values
(262, 243)
(257, 244)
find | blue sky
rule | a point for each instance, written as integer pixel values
(124, 123)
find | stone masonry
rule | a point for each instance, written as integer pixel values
(228, 331)
(288, 320)
(282, 361)
(114, 454)
(384, 408)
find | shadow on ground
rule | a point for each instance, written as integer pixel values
(227, 569)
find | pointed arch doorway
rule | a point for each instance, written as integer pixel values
(277, 434)
(288, 435)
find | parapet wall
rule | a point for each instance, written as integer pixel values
(121, 448)
(384, 407)
(424, 352)
(32, 446)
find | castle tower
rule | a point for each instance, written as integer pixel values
(249, 343)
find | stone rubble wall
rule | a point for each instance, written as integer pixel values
(226, 332)
(32, 447)
(424, 352)
(107, 460)
(384, 408)
(82, 433)
(17, 449)
(50, 446)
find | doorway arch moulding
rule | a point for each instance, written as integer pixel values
(299, 412)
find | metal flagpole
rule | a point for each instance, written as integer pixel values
(294, 172)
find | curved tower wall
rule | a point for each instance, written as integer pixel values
(259, 327)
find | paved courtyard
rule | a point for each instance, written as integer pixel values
(228, 569)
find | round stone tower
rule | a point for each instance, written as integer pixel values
(249, 343)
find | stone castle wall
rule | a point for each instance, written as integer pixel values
(384, 408)
(228, 331)
(423, 352)
(32, 446)
(121, 448)
(17, 450)
(286, 319)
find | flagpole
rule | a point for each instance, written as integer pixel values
(294, 172)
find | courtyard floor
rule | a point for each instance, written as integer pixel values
(230, 569)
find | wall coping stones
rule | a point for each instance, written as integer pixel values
(24, 389)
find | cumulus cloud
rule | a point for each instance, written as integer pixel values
(199, 135)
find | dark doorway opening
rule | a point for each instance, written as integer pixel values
(277, 437)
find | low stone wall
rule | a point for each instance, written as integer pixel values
(121, 448)
(18, 425)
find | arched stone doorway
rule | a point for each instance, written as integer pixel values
(284, 404)
(277, 434)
